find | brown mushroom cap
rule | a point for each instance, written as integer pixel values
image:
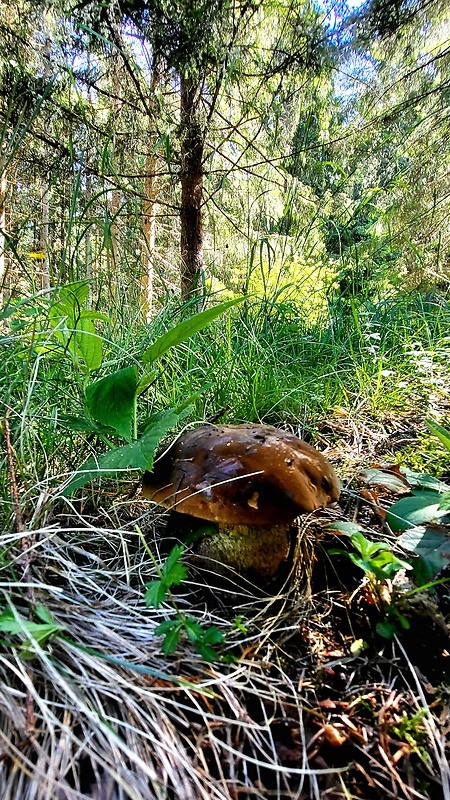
(242, 474)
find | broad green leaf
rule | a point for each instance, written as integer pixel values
(423, 481)
(184, 330)
(39, 631)
(89, 343)
(75, 293)
(70, 304)
(444, 501)
(75, 423)
(212, 635)
(170, 642)
(168, 625)
(386, 479)
(206, 651)
(415, 510)
(193, 629)
(172, 629)
(203, 638)
(95, 315)
(138, 455)
(442, 433)
(344, 527)
(111, 400)
(387, 564)
(389, 627)
(44, 614)
(176, 576)
(433, 548)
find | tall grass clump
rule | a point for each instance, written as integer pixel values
(265, 360)
(268, 361)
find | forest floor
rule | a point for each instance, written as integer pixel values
(305, 699)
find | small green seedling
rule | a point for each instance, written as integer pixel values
(238, 622)
(13, 624)
(379, 564)
(376, 559)
(413, 731)
(173, 573)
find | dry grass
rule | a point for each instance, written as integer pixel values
(98, 712)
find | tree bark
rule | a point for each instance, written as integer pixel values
(192, 145)
(3, 187)
(149, 230)
(152, 188)
(88, 240)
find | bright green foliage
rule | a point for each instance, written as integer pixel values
(442, 433)
(73, 325)
(417, 509)
(111, 400)
(202, 638)
(393, 623)
(432, 548)
(185, 329)
(411, 729)
(173, 573)
(379, 564)
(137, 455)
(41, 632)
(429, 501)
(376, 559)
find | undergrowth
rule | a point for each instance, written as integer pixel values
(262, 361)
(90, 706)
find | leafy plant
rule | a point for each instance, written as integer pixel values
(423, 517)
(12, 623)
(376, 559)
(71, 325)
(410, 729)
(173, 573)
(379, 564)
(111, 406)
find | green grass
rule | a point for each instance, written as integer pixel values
(263, 361)
(267, 363)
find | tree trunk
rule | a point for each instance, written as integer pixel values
(88, 239)
(113, 260)
(149, 230)
(192, 144)
(3, 186)
(151, 190)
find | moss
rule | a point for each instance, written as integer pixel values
(427, 455)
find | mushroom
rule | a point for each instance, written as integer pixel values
(253, 480)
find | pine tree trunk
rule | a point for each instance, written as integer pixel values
(88, 240)
(149, 230)
(192, 144)
(151, 189)
(3, 186)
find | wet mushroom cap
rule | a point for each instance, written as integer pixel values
(242, 474)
